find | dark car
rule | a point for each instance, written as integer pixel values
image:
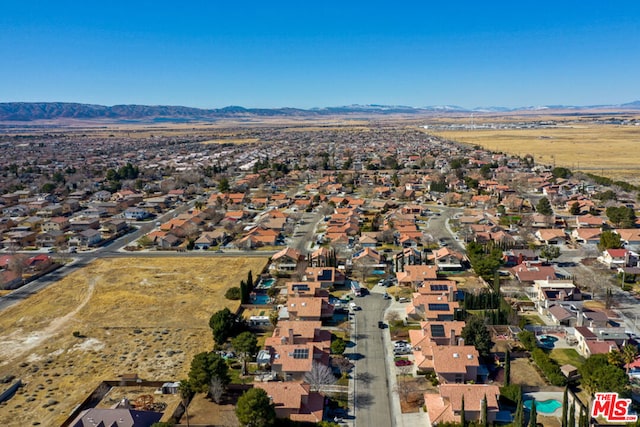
(381, 324)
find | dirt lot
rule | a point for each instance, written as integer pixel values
(144, 315)
(523, 372)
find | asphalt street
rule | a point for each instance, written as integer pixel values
(371, 389)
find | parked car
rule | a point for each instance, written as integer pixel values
(381, 324)
(400, 343)
(403, 300)
(403, 362)
(386, 296)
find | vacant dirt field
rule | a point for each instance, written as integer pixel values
(523, 372)
(600, 149)
(146, 316)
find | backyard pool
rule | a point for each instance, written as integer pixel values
(545, 406)
(266, 284)
(547, 340)
(260, 299)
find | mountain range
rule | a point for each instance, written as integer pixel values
(32, 111)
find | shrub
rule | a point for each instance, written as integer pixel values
(338, 346)
(233, 293)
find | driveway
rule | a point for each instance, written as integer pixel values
(371, 391)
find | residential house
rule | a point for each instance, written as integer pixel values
(58, 223)
(163, 239)
(119, 417)
(414, 275)
(446, 406)
(530, 272)
(86, 238)
(306, 308)
(447, 259)
(49, 239)
(619, 258)
(589, 236)
(630, 237)
(551, 236)
(432, 307)
(294, 400)
(136, 214)
(286, 260)
(589, 221)
(456, 364)
(327, 276)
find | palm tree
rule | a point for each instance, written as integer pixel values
(185, 394)
(629, 354)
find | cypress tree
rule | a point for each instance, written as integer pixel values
(582, 420)
(565, 403)
(463, 421)
(250, 281)
(518, 419)
(533, 415)
(484, 412)
(572, 414)
(507, 368)
(244, 292)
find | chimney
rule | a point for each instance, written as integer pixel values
(452, 337)
(451, 294)
(290, 336)
(580, 319)
(460, 341)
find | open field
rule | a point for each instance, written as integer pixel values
(607, 150)
(145, 316)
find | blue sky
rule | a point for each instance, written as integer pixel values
(314, 54)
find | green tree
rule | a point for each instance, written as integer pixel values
(598, 375)
(246, 345)
(574, 209)
(518, 418)
(507, 367)
(533, 415)
(528, 340)
(559, 172)
(223, 324)
(572, 414)
(204, 367)
(550, 252)
(565, 408)
(544, 207)
(484, 412)
(622, 216)
(48, 187)
(463, 416)
(223, 185)
(185, 390)
(629, 354)
(233, 293)
(609, 240)
(475, 333)
(338, 346)
(254, 409)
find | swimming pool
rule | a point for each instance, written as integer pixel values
(547, 340)
(266, 284)
(544, 406)
(260, 299)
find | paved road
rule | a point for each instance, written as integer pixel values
(304, 236)
(371, 397)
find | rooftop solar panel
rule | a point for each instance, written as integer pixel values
(437, 331)
(439, 307)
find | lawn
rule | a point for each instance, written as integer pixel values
(566, 356)
(137, 315)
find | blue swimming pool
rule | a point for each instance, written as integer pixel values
(266, 284)
(544, 406)
(547, 340)
(260, 299)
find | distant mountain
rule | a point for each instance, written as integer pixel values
(30, 111)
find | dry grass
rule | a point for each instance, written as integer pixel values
(145, 316)
(601, 149)
(523, 372)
